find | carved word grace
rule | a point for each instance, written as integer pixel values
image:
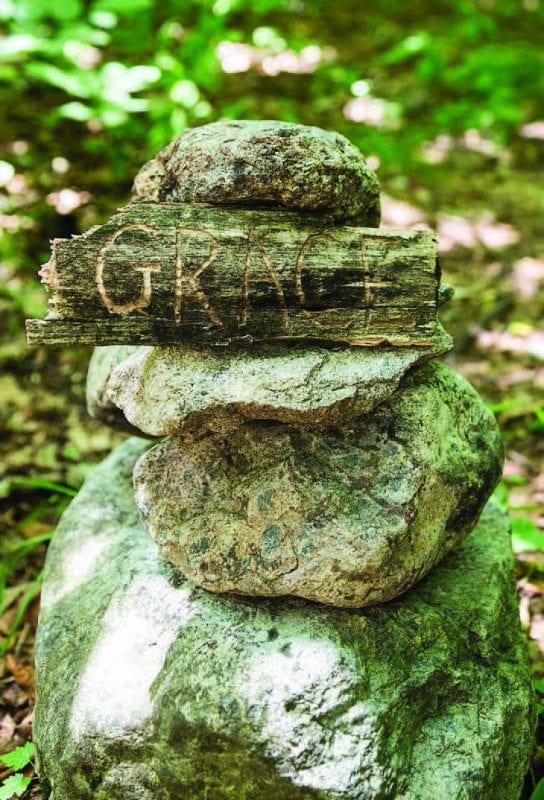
(165, 273)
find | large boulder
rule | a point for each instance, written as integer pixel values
(349, 516)
(264, 162)
(153, 689)
(171, 390)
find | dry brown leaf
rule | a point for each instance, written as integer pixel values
(23, 673)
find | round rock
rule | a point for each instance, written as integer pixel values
(152, 689)
(264, 163)
(348, 517)
(172, 390)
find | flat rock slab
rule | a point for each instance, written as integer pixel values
(349, 516)
(150, 688)
(264, 162)
(172, 390)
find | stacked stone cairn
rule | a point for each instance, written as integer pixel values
(290, 585)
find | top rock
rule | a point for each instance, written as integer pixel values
(264, 163)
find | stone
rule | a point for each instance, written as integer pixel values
(264, 162)
(103, 362)
(349, 516)
(172, 390)
(153, 689)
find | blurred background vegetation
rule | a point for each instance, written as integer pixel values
(445, 99)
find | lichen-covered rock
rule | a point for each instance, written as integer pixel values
(172, 390)
(103, 362)
(251, 162)
(150, 688)
(349, 516)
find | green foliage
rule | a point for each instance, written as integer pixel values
(143, 70)
(18, 759)
(538, 793)
(14, 786)
(526, 536)
(16, 548)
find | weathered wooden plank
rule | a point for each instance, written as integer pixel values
(139, 330)
(165, 273)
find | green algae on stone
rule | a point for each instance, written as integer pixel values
(264, 162)
(172, 390)
(350, 516)
(151, 688)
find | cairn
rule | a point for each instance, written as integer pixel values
(310, 448)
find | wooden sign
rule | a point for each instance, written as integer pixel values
(168, 273)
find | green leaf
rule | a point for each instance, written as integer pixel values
(538, 793)
(17, 45)
(75, 110)
(515, 480)
(17, 482)
(410, 46)
(122, 6)
(526, 536)
(500, 495)
(20, 757)
(14, 786)
(32, 592)
(72, 82)
(41, 9)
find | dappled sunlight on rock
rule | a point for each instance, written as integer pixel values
(139, 626)
(77, 566)
(311, 679)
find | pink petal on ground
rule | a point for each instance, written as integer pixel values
(526, 276)
(398, 214)
(495, 234)
(533, 130)
(455, 232)
(505, 342)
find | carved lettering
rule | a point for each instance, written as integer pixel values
(168, 273)
(299, 266)
(188, 284)
(369, 284)
(145, 267)
(270, 276)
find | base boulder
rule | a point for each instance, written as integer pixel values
(151, 688)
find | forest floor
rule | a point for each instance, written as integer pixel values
(487, 213)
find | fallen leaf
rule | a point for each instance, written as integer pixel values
(23, 673)
(7, 731)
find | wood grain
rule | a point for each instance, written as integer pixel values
(167, 273)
